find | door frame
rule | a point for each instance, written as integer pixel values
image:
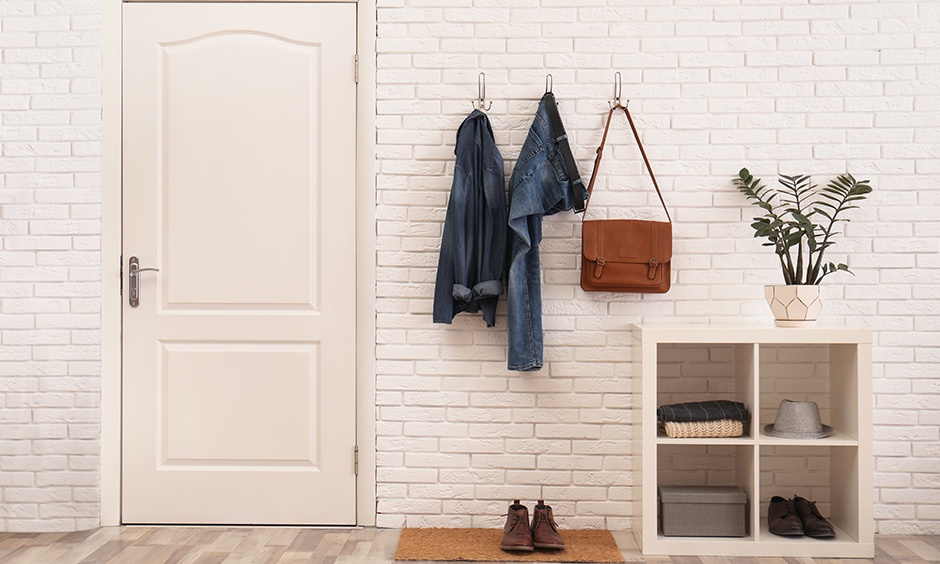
(112, 251)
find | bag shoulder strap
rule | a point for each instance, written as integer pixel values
(600, 153)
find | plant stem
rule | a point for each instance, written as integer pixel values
(799, 262)
(786, 273)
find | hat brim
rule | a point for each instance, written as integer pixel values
(770, 431)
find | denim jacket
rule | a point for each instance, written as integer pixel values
(473, 245)
(539, 186)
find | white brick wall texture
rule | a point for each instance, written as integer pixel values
(780, 86)
(50, 189)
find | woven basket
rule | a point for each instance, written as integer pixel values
(704, 429)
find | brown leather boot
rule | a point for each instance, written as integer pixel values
(544, 530)
(516, 533)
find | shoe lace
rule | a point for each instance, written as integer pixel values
(809, 504)
(547, 516)
(791, 509)
(518, 519)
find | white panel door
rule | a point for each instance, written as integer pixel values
(239, 186)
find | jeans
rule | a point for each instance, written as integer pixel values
(539, 186)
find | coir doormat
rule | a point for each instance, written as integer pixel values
(482, 545)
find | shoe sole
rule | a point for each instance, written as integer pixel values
(558, 546)
(517, 548)
(821, 536)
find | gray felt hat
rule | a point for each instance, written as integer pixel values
(798, 420)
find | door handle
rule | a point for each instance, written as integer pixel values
(133, 280)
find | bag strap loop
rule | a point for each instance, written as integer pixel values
(600, 153)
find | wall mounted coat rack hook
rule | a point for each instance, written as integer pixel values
(480, 102)
(618, 90)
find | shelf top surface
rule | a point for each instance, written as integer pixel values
(769, 334)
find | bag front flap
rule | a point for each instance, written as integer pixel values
(626, 240)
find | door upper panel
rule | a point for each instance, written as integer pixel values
(206, 164)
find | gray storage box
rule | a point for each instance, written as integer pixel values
(702, 511)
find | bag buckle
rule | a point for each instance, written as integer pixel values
(652, 272)
(600, 267)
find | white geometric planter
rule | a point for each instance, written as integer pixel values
(795, 305)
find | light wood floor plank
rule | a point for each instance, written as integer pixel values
(167, 554)
(276, 553)
(287, 545)
(283, 537)
(31, 554)
(90, 543)
(306, 540)
(133, 555)
(922, 549)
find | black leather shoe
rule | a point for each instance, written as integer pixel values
(814, 524)
(782, 518)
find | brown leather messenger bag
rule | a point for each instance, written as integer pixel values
(625, 255)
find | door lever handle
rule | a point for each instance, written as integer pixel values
(135, 271)
(133, 280)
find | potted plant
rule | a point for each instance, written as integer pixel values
(800, 222)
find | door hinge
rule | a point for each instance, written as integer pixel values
(121, 276)
(356, 460)
(357, 69)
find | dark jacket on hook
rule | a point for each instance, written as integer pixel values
(473, 245)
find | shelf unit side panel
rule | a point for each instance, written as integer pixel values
(747, 478)
(647, 486)
(866, 455)
(639, 367)
(844, 489)
(746, 382)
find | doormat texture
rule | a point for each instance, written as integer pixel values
(482, 545)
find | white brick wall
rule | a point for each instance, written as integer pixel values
(779, 86)
(50, 106)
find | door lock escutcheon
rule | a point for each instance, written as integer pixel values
(133, 280)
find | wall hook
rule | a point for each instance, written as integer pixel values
(618, 90)
(549, 82)
(480, 102)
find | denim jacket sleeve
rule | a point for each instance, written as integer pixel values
(473, 244)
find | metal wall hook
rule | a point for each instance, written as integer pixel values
(480, 102)
(618, 90)
(549, 82)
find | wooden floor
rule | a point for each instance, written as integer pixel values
(271, 545)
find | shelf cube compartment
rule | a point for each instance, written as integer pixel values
(702, 511)
(687, 465)
(826, 475)
(825, 374)
(706, 372)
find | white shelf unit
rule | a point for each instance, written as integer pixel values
(847, 452)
